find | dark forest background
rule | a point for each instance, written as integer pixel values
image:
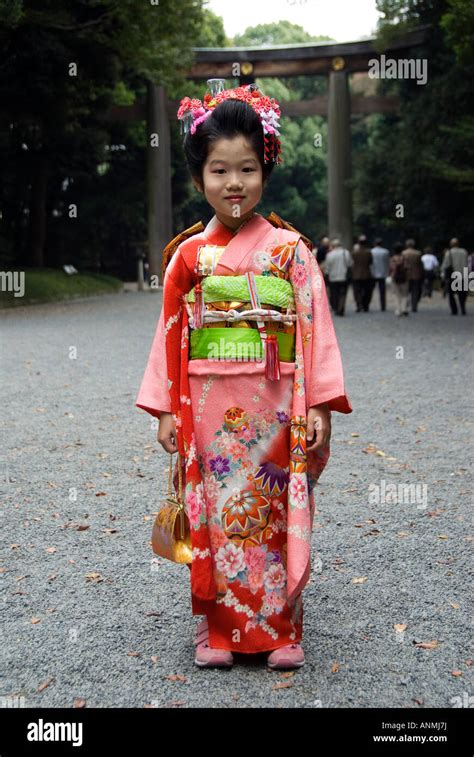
(73, 179)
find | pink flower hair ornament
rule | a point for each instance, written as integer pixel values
(193, 112)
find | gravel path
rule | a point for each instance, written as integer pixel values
(88, 612)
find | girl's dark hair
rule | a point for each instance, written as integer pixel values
(228, 119)
(397, 248)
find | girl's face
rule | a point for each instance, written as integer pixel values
(233, 180)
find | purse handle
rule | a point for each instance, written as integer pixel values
(170, 478)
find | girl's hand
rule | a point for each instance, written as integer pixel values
(167, 433)
(318, 428)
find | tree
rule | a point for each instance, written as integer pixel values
(422, 157)
(59, 71)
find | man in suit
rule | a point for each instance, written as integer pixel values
(362, 280)
(455, 261)
(415, 272)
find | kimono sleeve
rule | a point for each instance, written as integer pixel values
(154, 396)
(324, 377)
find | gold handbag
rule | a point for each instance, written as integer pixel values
(171, 535)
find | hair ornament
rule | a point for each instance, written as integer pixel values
(193, 112)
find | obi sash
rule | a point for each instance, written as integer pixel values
(236, 344)
(271, 290)
(221, 339)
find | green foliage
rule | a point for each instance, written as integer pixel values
(49, 285)
(421, 157)
(64, 65)
(458, 25)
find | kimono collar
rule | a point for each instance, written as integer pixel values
(239, 244)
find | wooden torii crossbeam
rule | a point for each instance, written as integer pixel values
(335, 60)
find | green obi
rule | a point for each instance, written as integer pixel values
(271, 289)
(237, 344)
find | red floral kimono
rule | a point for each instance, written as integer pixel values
(249, 482)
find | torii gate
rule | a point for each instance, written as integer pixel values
(336, 61)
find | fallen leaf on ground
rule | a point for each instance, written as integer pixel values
(400, 627)
(95, 577)
(427, 644)
(45, 684)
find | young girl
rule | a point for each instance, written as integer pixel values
(243, 373)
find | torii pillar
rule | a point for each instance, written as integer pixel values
(339, 155)
(160, 227)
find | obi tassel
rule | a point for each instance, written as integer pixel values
(198, 312)
(272, 359)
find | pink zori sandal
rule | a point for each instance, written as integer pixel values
(289, 656)
(206, 657)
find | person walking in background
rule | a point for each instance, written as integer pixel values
(322, 251)
(415, 272)
(379, 269)
(338, 263)
(398, 273)
(470, 262)
(455, 261)
(430, 265)
(362, 280)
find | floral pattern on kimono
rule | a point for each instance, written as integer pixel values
(249, 480)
